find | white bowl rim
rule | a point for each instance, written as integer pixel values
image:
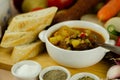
(18, 64)
(46, 38)
(82, 74)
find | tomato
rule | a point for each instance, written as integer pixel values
(61, 4)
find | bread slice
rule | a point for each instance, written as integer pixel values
(24, 28)
(32, 21)
(27, 51)
(12, 39)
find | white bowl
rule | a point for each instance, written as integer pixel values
(75, 59)
(26, 70)
(82, 74)
(45, 70)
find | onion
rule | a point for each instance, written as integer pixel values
(114, 72)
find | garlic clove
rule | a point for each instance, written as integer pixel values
(113, 72)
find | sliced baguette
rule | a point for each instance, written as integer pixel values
(27, 51)
(32, 21)
(20, 28)
(12, 39)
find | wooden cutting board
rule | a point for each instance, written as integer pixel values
(99, 69)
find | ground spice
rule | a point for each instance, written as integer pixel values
(55, 75)
(86, 78)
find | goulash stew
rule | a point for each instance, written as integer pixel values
(76, 38)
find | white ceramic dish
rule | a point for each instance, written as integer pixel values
(21, 72)
(45, 70)
(83, 74)
(75, 59)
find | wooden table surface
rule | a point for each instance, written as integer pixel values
(99, 69)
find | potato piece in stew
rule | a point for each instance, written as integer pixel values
(76, 38)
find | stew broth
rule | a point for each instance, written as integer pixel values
(76, 38)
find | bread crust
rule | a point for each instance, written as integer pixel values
(27, 51)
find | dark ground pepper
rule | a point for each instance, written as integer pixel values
(55, 75)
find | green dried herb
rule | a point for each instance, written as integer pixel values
(86, 78)
(55, 75)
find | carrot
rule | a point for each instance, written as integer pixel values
(109, 10)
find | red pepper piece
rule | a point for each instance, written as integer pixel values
(118, 41)
(82, 35)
